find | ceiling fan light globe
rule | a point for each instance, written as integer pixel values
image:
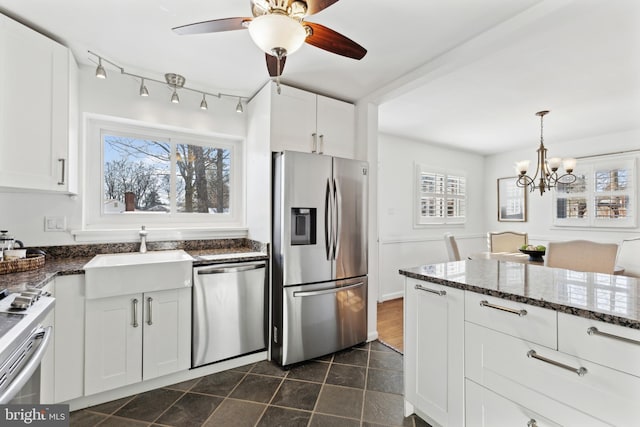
(276, 31)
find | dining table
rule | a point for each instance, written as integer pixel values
(521, 258)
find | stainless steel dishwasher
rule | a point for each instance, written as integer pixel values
(229, 315)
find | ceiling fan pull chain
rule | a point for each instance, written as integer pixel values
(278, 75)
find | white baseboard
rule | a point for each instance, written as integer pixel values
(372, 336)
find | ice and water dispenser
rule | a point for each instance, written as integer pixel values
(303, 226)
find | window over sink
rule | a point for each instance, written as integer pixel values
(139, 173)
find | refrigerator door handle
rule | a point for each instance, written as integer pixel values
(337, 218)
(328, 224)
(326, 291)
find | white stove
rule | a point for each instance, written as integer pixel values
(23, 340)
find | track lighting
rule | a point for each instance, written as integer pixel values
(100, 71)
(175, 98)
(174, 81)
(143, 89)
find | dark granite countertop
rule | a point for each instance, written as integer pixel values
(57, 264)
(608, 298)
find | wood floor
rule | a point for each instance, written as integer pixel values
(390, 323)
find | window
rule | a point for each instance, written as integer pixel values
(164, 177)
(603, 194)
(441, 197)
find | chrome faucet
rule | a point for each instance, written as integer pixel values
(143, 240)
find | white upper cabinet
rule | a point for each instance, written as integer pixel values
(307, 122)
(37, 131)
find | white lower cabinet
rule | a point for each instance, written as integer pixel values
(69, 337)
(521, 369)
(132, 338)
(485, 408)
(434, 352)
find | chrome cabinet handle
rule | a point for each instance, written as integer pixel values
(485, 303)
(581, 371)
(135, 312)
(149, 313)
(64, 161)
(321, 145)
(594, 331)
(314, 143)
(433, 291)
(532, 423)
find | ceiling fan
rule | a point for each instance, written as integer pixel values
(279, 29)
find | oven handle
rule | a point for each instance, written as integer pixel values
(27, 371)
(326, 291)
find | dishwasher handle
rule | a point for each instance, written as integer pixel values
(232, 268)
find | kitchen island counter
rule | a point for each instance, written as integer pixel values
(608, 298)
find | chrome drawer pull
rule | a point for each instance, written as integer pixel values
(485, 303)
(594, 331)
(422, 288)
(532, 423)
(581, 371)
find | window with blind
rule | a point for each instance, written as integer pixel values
(603, 195)
(440, 196)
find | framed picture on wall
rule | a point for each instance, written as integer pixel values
(512, 201)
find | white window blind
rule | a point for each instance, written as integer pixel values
(603, 195)
(441, 197)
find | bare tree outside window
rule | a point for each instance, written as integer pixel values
(142, 167)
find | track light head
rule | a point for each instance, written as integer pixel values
(203, 103)
(174, 97)
(143, 89)
(101, 73)
(239, 108)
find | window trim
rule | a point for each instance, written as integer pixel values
(589, 167)
(421, 222)
(95, 219)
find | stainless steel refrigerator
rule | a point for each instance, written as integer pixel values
(319, 271)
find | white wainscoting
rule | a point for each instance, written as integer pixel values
(404, 253)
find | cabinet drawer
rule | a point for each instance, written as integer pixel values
(535, 324)
(484, 408)
(611, 345)
(503, 363)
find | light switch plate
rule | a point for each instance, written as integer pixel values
(55, 223)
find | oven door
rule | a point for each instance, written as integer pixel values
(20, 373)
(322, 318)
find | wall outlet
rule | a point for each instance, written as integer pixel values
(55, 223)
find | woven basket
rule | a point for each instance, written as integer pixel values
(31, 262)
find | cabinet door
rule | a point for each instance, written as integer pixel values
(113, 342)
(434, 351)
(167, 332)
(335, 127)
(33, 109)
(47, 366)
(69, 337)
(293, 120)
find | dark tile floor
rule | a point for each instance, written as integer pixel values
(361, 386)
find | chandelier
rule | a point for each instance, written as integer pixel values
(546, 176)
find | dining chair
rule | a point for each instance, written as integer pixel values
(452, 247)
(506, 241)
(582, 255)
(629, 257)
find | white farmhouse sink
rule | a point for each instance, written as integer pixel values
(131, 273)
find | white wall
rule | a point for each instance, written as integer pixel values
(403, 245)
(539, 223)
(23, 212)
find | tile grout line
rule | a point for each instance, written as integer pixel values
(324, 381)
(364, 389)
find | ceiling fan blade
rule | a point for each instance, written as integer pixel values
(329, 40)
(213, 26)
(315, 6)
(272, 64)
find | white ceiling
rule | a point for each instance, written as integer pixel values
(465, 73)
